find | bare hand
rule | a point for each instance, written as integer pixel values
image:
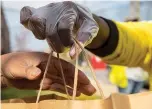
(24, 70)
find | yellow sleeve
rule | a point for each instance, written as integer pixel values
(134, 45)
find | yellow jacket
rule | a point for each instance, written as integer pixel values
(134, 47)
(117, 76)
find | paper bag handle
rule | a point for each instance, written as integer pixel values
(75, 75)
(92, 71)
(46, 69)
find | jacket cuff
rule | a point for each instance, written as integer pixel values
(111, 44)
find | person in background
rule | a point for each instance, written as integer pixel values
(128, 80)
(117, 76)
(136, 78)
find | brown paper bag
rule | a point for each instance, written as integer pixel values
(133, 101)
(115, 101)
(62, 104)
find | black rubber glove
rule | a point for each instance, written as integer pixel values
(59, 22)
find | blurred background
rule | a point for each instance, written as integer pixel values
(15, 37)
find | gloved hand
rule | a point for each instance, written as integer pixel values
(59, 22)
(24, 70)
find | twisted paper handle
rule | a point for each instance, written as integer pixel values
(63, 77)
(75, 75)
(92, 71)
(45, 72)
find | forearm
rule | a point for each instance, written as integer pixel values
(106, 40)
(127, 44)
(102, 35)
(134, 46)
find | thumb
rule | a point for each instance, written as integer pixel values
(76, 49)
(33, 73)
(86, 33)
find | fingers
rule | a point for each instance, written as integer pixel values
(30, 84)
(86, 33)
(24, 83)
(25, 13)
(82, 78)
(87, 89)
(65, 27)
(54, 74)
(50, 84)
(60, 88)
(33, 22)
(54, 40)
(46, 83)
(60, 34)
(32, 73)
(69, 70)
(37, 26)
(75, 49)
